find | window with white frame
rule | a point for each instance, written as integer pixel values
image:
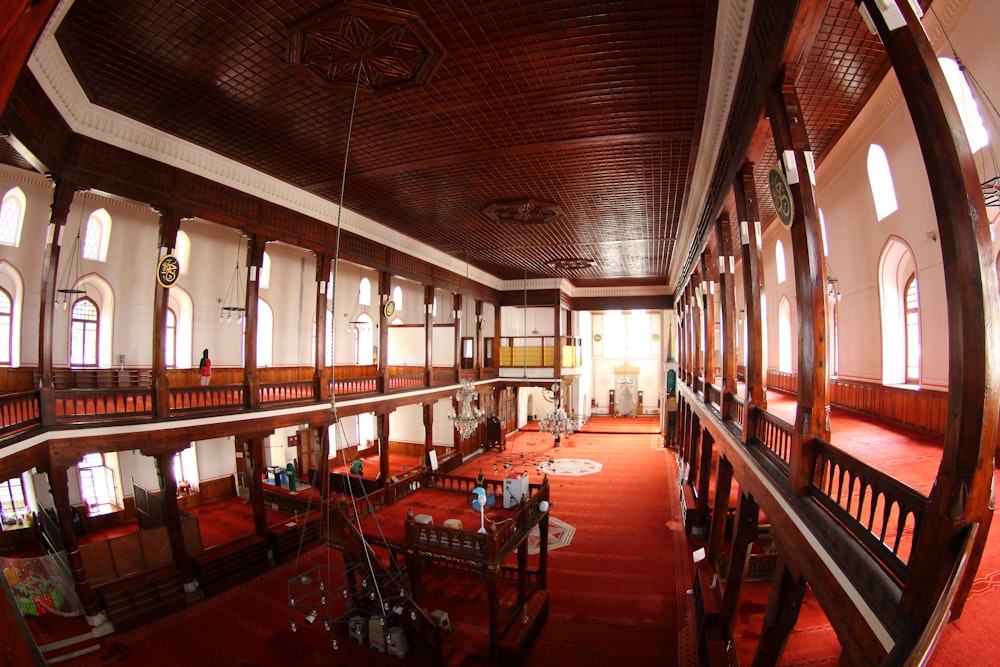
(12, 217)
(182, 252)
(6, 327)
(84, 333)
(97, 236)
(171, 339)
(12, 499)
(365, 292)
(397, 297)
(265, 272)
(911, 301)
(968, 108)
(185, 464)
(779, 260)
(822, 230)
(784, 336)
(880, 180)
(99, 483)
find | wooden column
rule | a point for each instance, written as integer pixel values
(168, 490)
(170, 222)
(251, 379)
(478, 352)
(720, 510)
(812, 412)
(321, 389)
(428, 409)
(963, 492)
(694, 445)
(700, 523)
(697, 328)
(58, 482)
(708, 308)
(557, 340)
(428, 335)
(745, 193)
(62, 198)
(459, 307)
(727, 296)
(382, 428)
(384, 292)
(255, 444)
(492, 580)
(744, 535)
(783, 607)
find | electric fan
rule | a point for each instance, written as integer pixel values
(480, 500)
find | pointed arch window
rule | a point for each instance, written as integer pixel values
(784, 336)
(968, 108)
(397, 297)
(12, 217)
(265, 334)
(880, 179)
(6, 327)
(171, 339)
(911, 303)
(84, 333)
(779, 260)
(365, 292)
(265, 272)
(97, 236)
(183, 252)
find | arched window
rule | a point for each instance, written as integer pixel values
(968, 109)
(171, 336)
(822, 231)
(83, 333)
(784, 336)
(364, 340)
(265, 272)
(97, 236)
(897, 282)
(397, 296)
(11, 217)
(365, 292)
(912, 305)
(182, 252)
(880, 179)
(779, 260)
(265, 334)
(6, 327)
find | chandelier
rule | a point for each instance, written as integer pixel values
(468, 418)
(235, 302)
(556, 422)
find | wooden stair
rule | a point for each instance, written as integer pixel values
(220, 568)
(137, 600)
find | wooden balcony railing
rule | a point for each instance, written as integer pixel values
(775, 436)
(187, 400)
(19, 411)
(79, 405)
(736, 409)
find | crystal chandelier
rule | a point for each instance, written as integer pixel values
(556, 422)
(468, 418)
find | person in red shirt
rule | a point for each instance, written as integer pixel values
(205, 368)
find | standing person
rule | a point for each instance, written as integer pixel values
(205, 368)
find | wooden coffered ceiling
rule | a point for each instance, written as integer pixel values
(556, 138)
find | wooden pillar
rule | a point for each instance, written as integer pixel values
(744, 535)
(727, 297)
(251, 379)
(557, 339)
(697, 328)
(812, 412)
(170, 222)
(963, 492)
(720, 510)
(428, 335)
(694, 445)
(478, 352)
(783, 607)
(255, 444)
(428, 409)
(492, 581)
(384, 295)
(58, 482)
(382, 428)
(753, 287)
(459, 307)
(62, 198)
(699, 526)
(168, 490)
(321, 389)
(708, 310)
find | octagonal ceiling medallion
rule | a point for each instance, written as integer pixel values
(394, 47)
(525, 211)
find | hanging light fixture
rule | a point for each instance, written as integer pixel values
(235, 301)
(556, 422)
(468, 417)
(70, 291)
(356, 322)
